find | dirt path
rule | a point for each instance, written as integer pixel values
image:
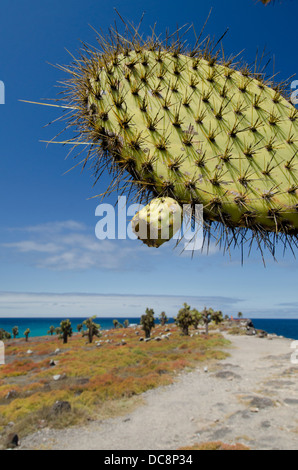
(251, 397)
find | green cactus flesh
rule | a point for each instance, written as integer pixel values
(189, 126)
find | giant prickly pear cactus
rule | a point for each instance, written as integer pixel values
(185, 124)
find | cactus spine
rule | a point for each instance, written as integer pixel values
(190, 126)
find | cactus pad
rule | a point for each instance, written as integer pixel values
(184, 124)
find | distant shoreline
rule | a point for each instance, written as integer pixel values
(39, 327)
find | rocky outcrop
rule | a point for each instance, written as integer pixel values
(60, 407)
(12, 441)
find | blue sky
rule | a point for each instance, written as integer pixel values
(50, 260)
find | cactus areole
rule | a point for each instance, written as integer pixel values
(185, 124)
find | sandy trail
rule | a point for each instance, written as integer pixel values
(251, 398)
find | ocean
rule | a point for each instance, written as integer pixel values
(281, 327)
(40, 326)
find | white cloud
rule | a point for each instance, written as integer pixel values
(54, 227)
(109, 305)
(69, 245)
(72, 246)
(27, 246)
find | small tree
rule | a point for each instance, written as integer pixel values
(26, 334)
(217, 317)
(4, 335)
(58, 331)
(92, 329)
(80, 327)
(184, 319)
(15, 332)
(240, 315)
(163, 318)
(196, 317)
(148, 322)
(52, 330)
(207, 318)
(115, 323)
(66, 330)
(126, 323)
